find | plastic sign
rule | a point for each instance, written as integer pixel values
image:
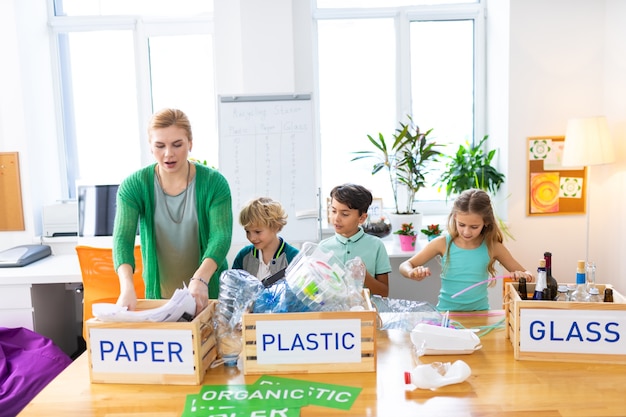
(573, 331)
(148, 351)
(308, 341)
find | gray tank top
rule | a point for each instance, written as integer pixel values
(178, 248)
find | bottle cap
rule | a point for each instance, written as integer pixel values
(580, 265)
(594, 291)
(542, 263)
(407, 377)
(562, 288)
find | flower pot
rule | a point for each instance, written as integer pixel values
(407, 243)
(398, 219)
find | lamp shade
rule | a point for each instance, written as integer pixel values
(587, 142)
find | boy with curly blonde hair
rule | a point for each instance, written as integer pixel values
(262, 219)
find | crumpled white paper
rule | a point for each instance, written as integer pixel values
(437, 340)
(182, 304)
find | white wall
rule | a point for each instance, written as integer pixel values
(563, 65)
(27, 115)
(548, 61)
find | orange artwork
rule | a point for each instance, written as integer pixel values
(544, 192)
(553, 189)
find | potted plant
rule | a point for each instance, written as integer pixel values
(406, 158)
(470, 167)
(432, 231)
(407, 236)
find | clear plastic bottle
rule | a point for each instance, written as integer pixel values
(580, 293)
(594, 295)
(562, 293)
(570, 290)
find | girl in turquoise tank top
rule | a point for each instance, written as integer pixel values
(468, 254)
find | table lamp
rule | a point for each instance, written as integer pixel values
(587, 143)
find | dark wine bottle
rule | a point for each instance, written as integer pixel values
(521, 288)
(540, 285)
(552, 285)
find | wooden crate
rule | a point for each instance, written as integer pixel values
(565, 331)
(311, 342)
(152, 353)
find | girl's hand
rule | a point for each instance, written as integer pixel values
(419, 273)
(526, 274)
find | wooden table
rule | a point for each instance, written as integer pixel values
(499, 386)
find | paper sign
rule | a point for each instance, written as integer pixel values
(573, 331)
(253, 396)
(149, 351)
(320, 394)
(196, 407)
(308, 341)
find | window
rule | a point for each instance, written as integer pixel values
(115, 71)
(378, 65)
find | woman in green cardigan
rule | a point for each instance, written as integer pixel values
(184, 212)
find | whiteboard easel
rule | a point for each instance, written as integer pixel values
(267, 149)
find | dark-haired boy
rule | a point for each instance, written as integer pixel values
(348, 210)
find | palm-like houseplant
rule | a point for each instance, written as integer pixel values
(406, 159)
(470, 167)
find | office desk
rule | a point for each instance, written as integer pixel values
(499, 386)
(40, 297)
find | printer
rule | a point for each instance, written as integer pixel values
(60, 219)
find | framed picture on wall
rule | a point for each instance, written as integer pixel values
(552, 188)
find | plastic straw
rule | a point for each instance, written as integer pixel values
(479, 283)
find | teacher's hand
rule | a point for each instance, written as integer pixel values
(199, 290)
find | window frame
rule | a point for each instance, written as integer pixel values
(403, 16)
(142, 27)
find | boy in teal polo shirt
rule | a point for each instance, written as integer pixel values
(348, 210)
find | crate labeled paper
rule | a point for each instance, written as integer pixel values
(152, 353)
(311, 342)
(566, 331)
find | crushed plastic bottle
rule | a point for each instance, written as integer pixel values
(438, 374)
(238, 291)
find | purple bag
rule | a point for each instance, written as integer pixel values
(28, 362)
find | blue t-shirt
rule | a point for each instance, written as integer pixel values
(369, 248)
(460, 269)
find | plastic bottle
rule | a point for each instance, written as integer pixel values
(562, 294)
(541, 280)
(438, 374)
(238, 291)
(551, 282)
(580, 293)
(594, 295)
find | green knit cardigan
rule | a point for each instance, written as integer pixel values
(135, 203)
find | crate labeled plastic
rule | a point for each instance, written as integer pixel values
(177, 353)
(565, 331)
(310, 342)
